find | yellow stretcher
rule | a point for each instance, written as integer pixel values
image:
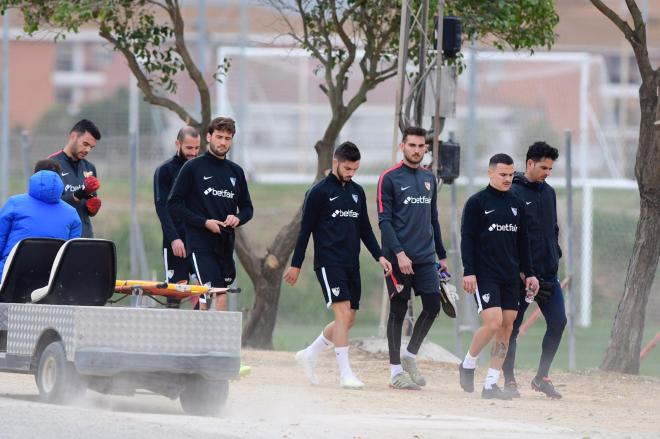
(176, 291)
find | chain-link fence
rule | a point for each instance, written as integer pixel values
(281, 112)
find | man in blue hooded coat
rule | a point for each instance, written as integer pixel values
(39, 213)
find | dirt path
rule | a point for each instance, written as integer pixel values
(274, 402)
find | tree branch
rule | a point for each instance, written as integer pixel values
(339, 24)
(386, 74)
(285, 241)
(614, 18)
(636, 14)
(195, 74)
(350, 47)
(307, 44)
(143, 82)
(158, 4)
(250, 261)
(636, 38)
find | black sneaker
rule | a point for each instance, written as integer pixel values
(511, 388)
(495, 393)
(466, 378)
(545, 385)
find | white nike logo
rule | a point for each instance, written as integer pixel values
(206, 178)
(64, 173)
(404, 188)
(333, 199)
(527, 203)
(489, 211)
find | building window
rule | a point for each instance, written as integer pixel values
(64, 95)
(64, 57)
(100, 57)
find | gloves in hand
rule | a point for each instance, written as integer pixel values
(443, 274)
(545, 291)
(93, 205)
(90, 185)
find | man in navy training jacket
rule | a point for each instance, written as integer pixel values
(541, 210)
(177, 267)
(411, 238)
(210, 196)
(79, 175)
(335, 214)
(495, 253)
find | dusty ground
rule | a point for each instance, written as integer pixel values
(274, 402)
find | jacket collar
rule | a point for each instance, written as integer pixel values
(334, 180)
(179, 159)
(520, 179)
(495, 192)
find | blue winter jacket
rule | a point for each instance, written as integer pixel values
(40, 213)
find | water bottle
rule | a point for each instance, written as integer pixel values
(529, 297)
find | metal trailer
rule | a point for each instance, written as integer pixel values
(182, 354)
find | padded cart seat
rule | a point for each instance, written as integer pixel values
(28, 268)
(83, 273)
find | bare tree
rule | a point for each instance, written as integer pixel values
(622, 353)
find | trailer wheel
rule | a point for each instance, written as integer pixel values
(202, 397)
(57, 379)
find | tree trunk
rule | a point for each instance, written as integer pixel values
(266, 273)
(266, 276)
(258, 330)
(622, 354)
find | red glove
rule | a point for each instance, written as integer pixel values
(92, 184)
(93, 205)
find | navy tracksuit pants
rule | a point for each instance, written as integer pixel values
(554, 312)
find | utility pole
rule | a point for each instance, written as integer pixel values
(4, 145)
(412, 91)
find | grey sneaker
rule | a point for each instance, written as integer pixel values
(403, 381)
(511, 388)
(410, 365)
(495, 393)
(307, 366)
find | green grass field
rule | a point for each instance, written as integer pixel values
(302, 312)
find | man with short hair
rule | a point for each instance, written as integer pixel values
(541, 214)
(210, 196)
(174, 249)
(495, 253)
(79, 175)
(335, 213)
(410, 232)
(47, 165)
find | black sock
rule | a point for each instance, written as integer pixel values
(398, 308)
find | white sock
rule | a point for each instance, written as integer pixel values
(395, 369)
(319, 345)
(491, 378)
(407, 353)
(342, 361)
(470, 362)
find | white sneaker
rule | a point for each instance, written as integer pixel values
(448, 299)
(307, 366)
(350, 382)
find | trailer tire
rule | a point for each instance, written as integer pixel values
(202, 397)
(57, 379)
